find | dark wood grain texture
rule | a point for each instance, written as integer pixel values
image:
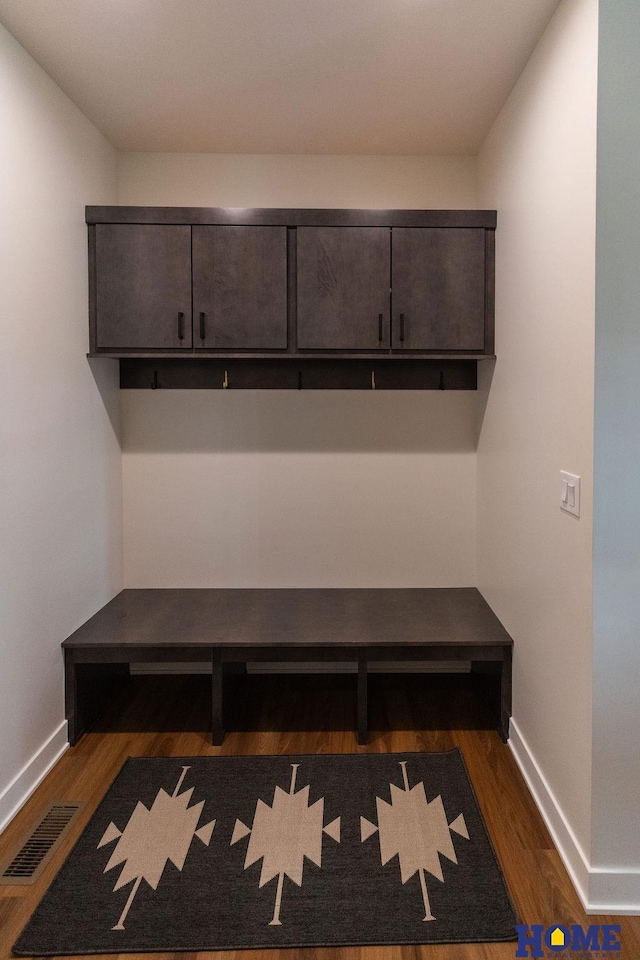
(293, 216)
(343, 288)
(293, 617)
(291, 283)
(297, 374)
(363, 706)
(292, 268)
(439, 288)
(217, 698)
(75, 724)
(416, 356)
(238, 626)
(91, 259)
(239, 287)
(505, 693)
(143, 286)
(490, 291)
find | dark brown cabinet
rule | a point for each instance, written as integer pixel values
(439, 288)
(348, 277)
(308, 299)
(239, 287)
(142, 286)
(343, 288)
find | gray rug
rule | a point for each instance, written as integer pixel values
(214, 853)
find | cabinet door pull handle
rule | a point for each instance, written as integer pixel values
(401, 327)
(181, 326)
(380, 327)
(202, 330)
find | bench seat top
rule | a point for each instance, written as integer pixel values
(454, 616)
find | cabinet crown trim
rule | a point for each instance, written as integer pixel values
(292, 217)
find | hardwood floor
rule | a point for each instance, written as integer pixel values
(169, 716)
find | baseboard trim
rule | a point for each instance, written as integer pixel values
(563, 836)
(614, 891)
(16, 793)
(601, 891)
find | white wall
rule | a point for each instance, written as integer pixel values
(60, 484)
(246, 180)
(537, 167)
(297, 489)
(616, 710)
(289, 489)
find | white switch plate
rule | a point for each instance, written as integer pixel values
(570, 493)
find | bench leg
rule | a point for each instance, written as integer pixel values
(217, 725)
(363, 731)
(505, 695)
(71, 705)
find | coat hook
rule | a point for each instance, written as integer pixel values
(441, 380)
(154, 382)
(373, 380)
(225, 382)
(299, 379)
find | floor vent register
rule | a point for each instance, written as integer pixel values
(25, 864)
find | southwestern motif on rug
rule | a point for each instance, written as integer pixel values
(214, 853)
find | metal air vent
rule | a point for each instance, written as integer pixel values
(25, 864)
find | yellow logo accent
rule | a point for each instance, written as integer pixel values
(557, 938)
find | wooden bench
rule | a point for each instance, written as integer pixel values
(224, 626)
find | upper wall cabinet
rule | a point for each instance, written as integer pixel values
(142, 287)
(240, 288)
(438, 285)
(348, 278)
(343, 288)
(292, 297)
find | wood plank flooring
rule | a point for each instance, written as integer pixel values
(162, 716)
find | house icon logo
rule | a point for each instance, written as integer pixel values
(574, 943)
(557, 938)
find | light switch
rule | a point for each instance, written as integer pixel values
(570, 493)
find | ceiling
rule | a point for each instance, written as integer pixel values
(284, 76)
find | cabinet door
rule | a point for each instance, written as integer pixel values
(143, 286)
(240, 287)
(438, 287)
(343, 288)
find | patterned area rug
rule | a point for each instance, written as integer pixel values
(214, 853)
